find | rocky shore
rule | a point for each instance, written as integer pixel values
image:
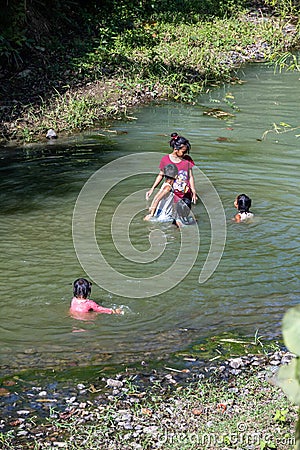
(143, 407)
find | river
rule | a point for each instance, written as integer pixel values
(251, 282)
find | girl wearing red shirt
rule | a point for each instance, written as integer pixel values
(184, 185)
(81, 304)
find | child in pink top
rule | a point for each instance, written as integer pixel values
(184, 185)
(82, 304)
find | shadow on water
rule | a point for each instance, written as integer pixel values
(29, 173)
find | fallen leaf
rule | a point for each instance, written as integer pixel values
(15, 423)
(222, 139)
(222, 406)
(146, 411)
(4, 392)
(9, 383)
(66, 415)
(197, 411)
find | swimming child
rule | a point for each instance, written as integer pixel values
(81, 302)
(162, 205)
(243, 204)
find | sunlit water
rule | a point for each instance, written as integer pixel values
(255, 282)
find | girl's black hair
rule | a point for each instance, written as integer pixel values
(243, 202)
(177, 141)
(82, 288)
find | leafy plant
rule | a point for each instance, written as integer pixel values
(286, 61)
(280, 415)
(284, 7)
(289, 375)
(264, 445)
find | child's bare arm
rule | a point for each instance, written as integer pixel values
(193, 189)
(155, 184)
(158, 198)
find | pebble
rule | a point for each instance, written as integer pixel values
(43, 394)
(114, 383)
(69, 404)
(51, 134)
(236, 363)
(23, 412)
(22, 433)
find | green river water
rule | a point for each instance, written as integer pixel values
(255, 282)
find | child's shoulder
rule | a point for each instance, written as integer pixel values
(243, 217)
(166, 186)
(165, 160)
(188, 159)
(246, 215)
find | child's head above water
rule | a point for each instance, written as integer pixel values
(170, 171)
(82, 288)
(242, 203)
(177, 142)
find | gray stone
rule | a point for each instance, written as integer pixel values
(51, 134)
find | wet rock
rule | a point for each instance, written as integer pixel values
(71, 400)
(114, 383)
(151, 429)
(255, 363)
(24, 74)
(170, 379)
(287, 358)
(236, 363)
(23, 412)
(43, 394)
(51, 134)
(22, 433)
(275, 362)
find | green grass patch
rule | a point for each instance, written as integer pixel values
(244, 413)
(152, 60)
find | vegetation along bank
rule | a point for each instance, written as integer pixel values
(183, 403)
(74, 65)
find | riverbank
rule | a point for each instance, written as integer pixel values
(149, 63)
(214, 404)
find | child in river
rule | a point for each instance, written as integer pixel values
(81, 302)
(162, 205)
(184, 185)
(243, 204)
(166, 206)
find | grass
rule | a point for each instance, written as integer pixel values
(245, 412)
(163, 405)
(154, 60)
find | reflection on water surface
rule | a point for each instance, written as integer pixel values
(256, 281)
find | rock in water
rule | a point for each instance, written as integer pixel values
(51, 134)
